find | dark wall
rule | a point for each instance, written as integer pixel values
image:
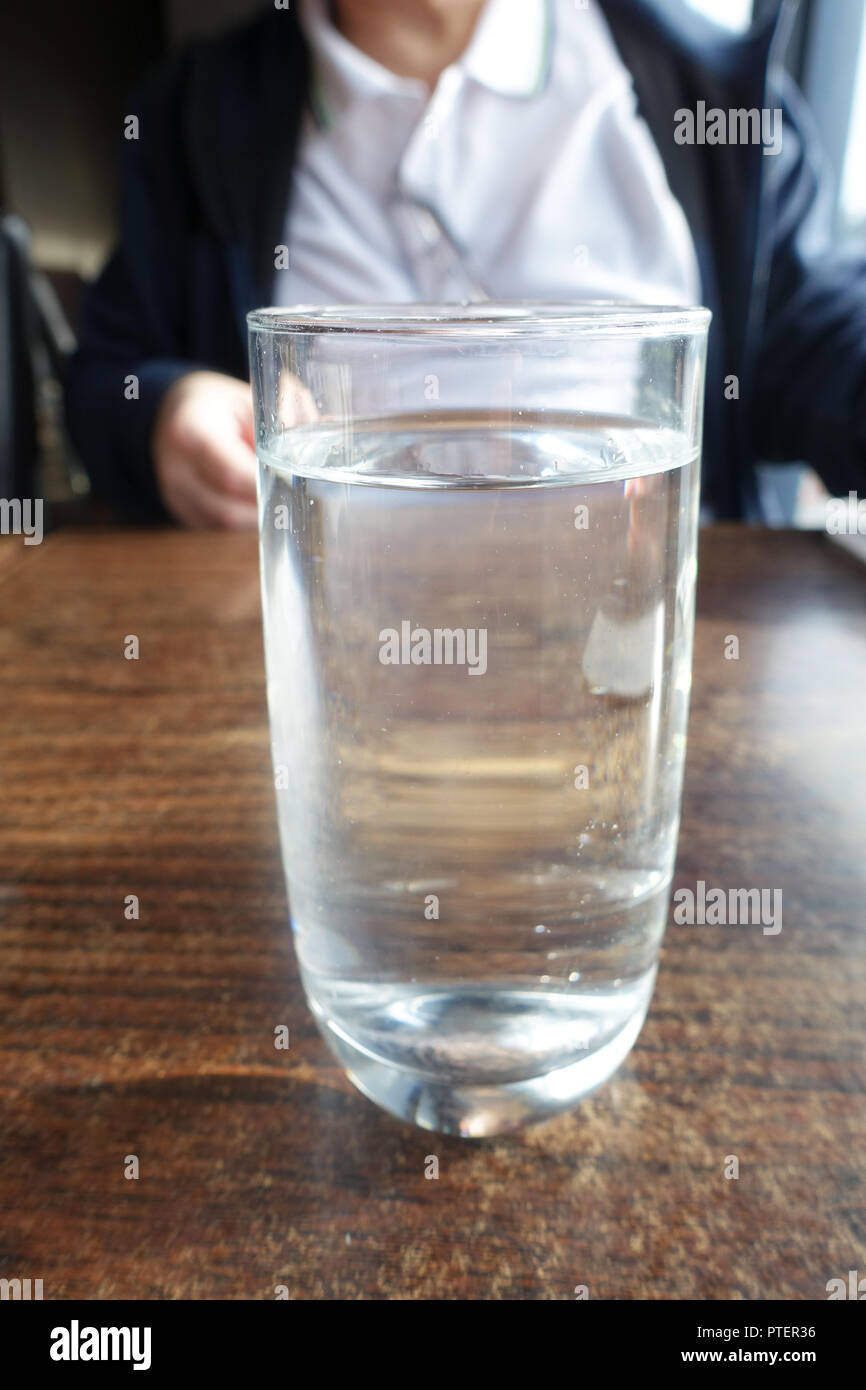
(65, 72)
(189, 17)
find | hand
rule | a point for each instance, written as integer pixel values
(203, 452)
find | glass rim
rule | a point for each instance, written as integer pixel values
(495, 318)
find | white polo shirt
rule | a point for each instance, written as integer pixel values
(525, 174)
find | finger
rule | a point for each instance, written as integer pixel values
(226, 465)
(225, 514)
(242, 405)
(296, 405)
(194, 503)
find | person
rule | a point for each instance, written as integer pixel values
(377, 151)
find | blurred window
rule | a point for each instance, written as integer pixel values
(852, 194)
(733, 14)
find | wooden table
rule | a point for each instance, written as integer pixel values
(154, 1037)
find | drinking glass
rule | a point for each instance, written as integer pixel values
(478, 558)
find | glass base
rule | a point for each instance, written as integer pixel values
(475, 1112)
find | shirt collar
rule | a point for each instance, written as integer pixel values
(508, 53)
(510, 48)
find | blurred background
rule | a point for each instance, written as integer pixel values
(65, 74)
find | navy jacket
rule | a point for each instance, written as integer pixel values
(206, 190)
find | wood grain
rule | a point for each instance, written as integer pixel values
(258, 1168)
